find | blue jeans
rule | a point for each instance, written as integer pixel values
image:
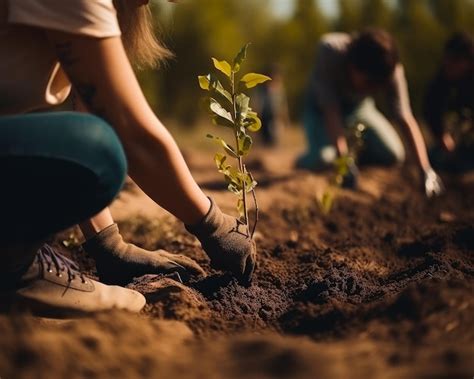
(57, 170)
(382, 145)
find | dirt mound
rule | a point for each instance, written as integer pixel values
(71, 349)
(120, 345)
(168, 298)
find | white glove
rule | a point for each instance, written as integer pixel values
(433, 183)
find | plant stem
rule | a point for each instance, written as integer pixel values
(256, 208)
(236, 134)
(244, 194)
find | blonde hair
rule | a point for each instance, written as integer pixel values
(141, 44)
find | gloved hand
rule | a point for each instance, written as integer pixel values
(119, 262)
(432, 183)
(227, 242)
(350, 179)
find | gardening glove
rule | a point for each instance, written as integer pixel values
(227, 242)
(351, 179)
(433, 184)
(119, 262)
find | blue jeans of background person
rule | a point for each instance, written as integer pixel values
(57, 170)
(382, 145)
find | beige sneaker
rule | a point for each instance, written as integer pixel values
(52, 285)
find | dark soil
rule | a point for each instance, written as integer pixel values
(322, 275)
(382, 286)
(399, 268)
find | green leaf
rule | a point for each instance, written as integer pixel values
(250, 183)
(217, 87)
(212, 84)
(252, 80)
(232, 187)
(342, 164)
(229, 149)
(220, 159)
(242, 106)
(219, 110)
(252, 186)
(326, 202)
(234, 174)
(231, 174)
(240, 58)
(223, 66)
(234, 181)
(245, 143)
(216, 120)
(204, 82)
(252, 122)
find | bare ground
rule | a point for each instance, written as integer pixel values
(382, 287)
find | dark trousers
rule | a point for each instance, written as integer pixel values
(56, 170)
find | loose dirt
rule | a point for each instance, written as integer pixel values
(382, 287)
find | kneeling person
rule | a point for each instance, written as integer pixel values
(348, 71)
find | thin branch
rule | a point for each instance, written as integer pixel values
(236, 131)
(256, 207)
(244, 197)
(256, 213)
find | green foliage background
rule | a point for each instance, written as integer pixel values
(195, 30)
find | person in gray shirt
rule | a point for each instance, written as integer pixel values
(448, 106)
(349, 70)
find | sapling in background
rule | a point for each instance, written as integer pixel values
(342, 167)
(230, 109)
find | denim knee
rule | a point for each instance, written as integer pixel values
(101, 150)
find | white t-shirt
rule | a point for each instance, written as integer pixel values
(31, 77)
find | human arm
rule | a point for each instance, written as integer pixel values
(447, 142)
(102, 76)
(433, 186)
(101, 73)
(117, 262)
(400, 103)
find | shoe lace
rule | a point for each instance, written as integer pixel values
(50, 258)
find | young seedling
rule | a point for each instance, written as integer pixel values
(230, 109)
(342, 166)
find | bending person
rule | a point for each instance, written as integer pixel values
(349, 70)
(64, 168)
(449, 106)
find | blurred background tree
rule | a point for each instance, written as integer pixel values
(195, 30)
